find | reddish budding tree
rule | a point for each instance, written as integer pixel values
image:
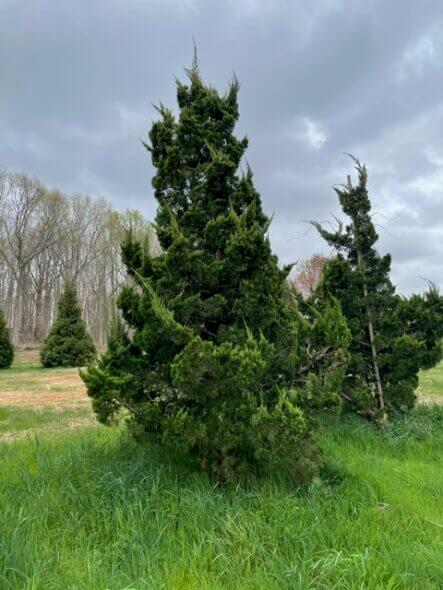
(309, 273)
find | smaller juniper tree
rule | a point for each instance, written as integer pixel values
(393, 337)
(6, 349)
(68, 343)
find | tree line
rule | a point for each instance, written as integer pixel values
(48, 237)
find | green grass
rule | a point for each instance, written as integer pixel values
(16, 371)
(14, 420)
(26, 365)
(35, 385)
(431, 382)
(92, 510)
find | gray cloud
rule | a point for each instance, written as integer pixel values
(319, 77)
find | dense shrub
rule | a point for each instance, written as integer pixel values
(68, 344)
(6, 349)
(219, 361)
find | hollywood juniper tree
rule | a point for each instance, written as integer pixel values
(68, 343)
(393, 337)
(219, 361)
(6, 348)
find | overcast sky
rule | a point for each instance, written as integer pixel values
(318, 78)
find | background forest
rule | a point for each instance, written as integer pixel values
(46, 237)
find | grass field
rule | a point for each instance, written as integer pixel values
(83, 507)
(431, 385)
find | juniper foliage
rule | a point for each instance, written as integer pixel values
(6, 348)
(219, 361)
(68, 343)
(407, 331)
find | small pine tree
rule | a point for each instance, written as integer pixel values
(392, 337)
(68, 344)
(220, 363)
(6, 348)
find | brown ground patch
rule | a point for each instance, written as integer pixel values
(27, 385)
(36, 400)
(65, 389)
(37, 388)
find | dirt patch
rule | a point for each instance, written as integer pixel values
(38, 399)
(43, 390)
(37, 388)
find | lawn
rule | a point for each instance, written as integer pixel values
(86, 508)
(431, 384)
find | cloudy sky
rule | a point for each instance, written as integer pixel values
(318, 78)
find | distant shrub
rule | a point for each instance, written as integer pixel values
(68, 343)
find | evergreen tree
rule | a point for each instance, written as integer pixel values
(6, 349)
(68, 344)
(392, 336)
(219, 362)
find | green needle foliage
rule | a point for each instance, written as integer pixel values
(407, 332)
(68, 344)
(6, 349)
(220, 362)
